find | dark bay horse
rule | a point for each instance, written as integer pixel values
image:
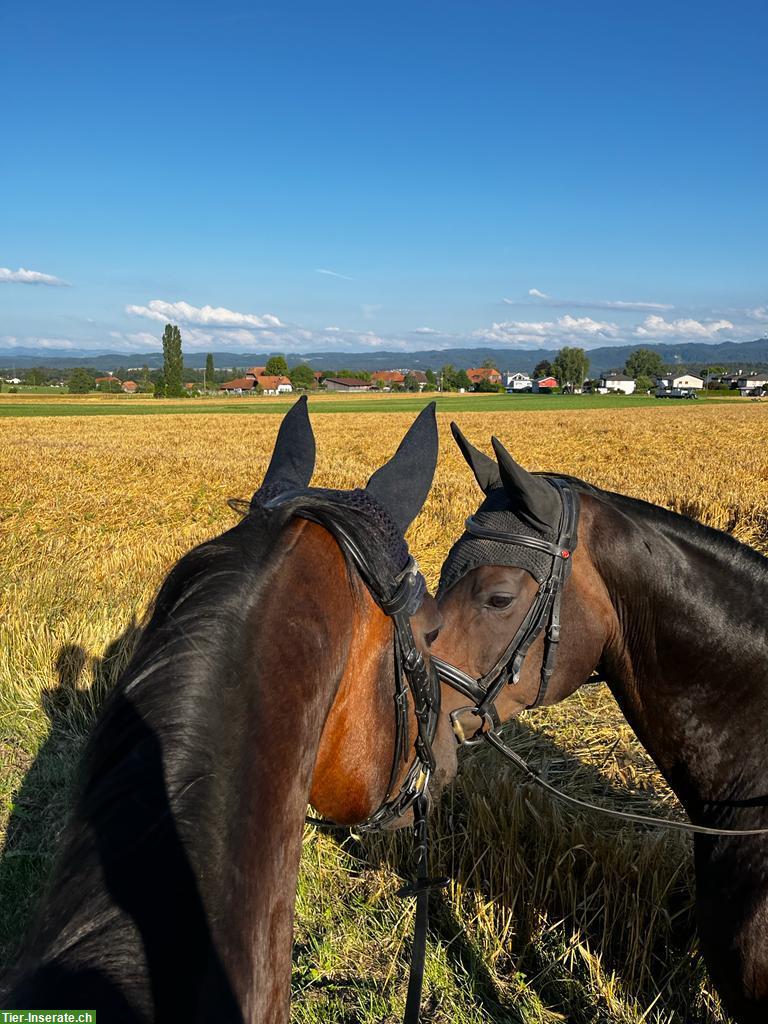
(673, 614)
(264, 678)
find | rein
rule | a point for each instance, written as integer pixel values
(480, 721)
(644, 819)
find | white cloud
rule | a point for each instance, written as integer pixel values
(585, 330)
(332, 328)
(22, 276)
(565, 329)
(369, 310)
(209, 316)
(635, 307)
(426, 330)
(684, 329)
(621, 305)
(759, 313)
(333, 273)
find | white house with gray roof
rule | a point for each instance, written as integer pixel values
(617, 382)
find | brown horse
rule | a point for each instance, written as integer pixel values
(672, 613)
(264, 678)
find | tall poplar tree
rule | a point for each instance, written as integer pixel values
(173, 362)
(210, 371)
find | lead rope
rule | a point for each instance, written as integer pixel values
(644, 819)
(420, 887)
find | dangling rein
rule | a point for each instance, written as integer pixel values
(644, 819)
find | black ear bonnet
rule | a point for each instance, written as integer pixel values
(376, 517)
(516, 503)
(470, 552)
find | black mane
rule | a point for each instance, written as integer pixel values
(679, 527)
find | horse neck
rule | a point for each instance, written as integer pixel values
(688, 656)
(303, 634)
(190, 871)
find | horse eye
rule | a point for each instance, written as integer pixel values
(430, 637)
(501, 600)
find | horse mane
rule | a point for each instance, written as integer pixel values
(678, 526)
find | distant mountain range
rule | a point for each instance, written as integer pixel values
(733, 355)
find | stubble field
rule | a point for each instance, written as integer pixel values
(550, 916)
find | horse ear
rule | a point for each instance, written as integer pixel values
(535, 501)
(293, 458)
(403, 483)
(483, 466)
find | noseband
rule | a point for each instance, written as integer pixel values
(471, 723)
(481, 721)
(399, 600)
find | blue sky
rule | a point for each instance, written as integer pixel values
(290, 176)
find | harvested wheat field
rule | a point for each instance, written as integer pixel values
(550, 916)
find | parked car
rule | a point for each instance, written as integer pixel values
(675, 393)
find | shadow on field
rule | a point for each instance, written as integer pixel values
(577, 895)
(43, 800)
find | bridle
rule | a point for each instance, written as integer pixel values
(399, 599)
(471, 723)
(480, 721)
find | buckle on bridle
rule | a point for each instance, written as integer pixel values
(468, 733)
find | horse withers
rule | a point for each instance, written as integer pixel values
(264, 678)
(554, 579)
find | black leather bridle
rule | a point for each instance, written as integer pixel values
(480, 721)
(399, 599)
(471, 723)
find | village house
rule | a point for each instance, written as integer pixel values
(725, 380)
(617, 382)
(518, 381)
(273, 385)
(545, 384)
(239, 386)
(253, 385)
(346, 384)
(397, 378)
(691, 381)
(111, 379)
(130, 387)
(484, 373)
(752, 384)
(387, 378)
